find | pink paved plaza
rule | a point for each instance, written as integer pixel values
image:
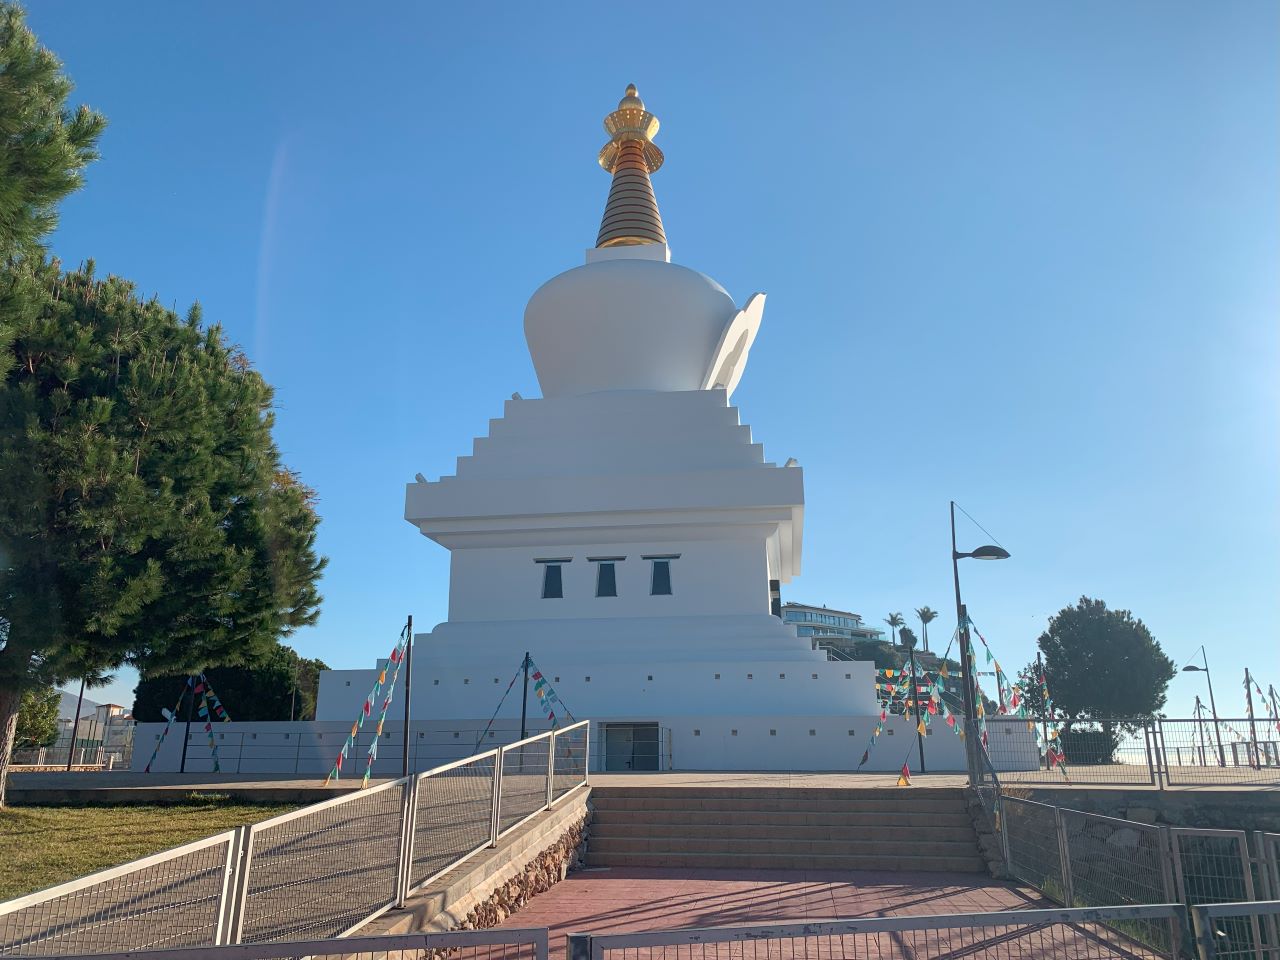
(614, 900)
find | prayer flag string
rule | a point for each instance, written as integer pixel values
(397, 657)
(168, 723)
(546, 695)
(366, 710)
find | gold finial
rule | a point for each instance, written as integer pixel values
(631, 214)
(631, 122)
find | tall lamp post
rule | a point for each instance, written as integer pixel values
(1213, 707)
(982, 553)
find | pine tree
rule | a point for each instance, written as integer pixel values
(145, 516)
(44, 147)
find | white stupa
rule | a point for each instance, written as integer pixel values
(626, 531)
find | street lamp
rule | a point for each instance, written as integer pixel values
(962, 619)
(1213, 707)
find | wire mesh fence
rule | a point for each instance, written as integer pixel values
(524, 782)
(167, 900)
(1083, 859)
(321, 870)
(453, 809)
(1219, 751)
(570, 765)
(1237, 931)
(1033, 850)
(1112, 862)
(1212, 866)
(1096, 934)
(1107, 751)
(515, 944)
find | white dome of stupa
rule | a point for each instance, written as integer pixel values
(630, 319)
(626, 324)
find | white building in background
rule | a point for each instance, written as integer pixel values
(626, 530)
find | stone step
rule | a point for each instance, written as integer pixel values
(753, 846)
(755, 861)
(889, 819)
(891, 796)
(737, 830)
(880, 805)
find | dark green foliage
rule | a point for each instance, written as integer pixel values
(1088, 745)
(38, 718)
(44, 147)
(907, 638)
(885, 657)
(144, 513)
(251, 691)
(1103, 663)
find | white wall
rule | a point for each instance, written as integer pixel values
(604, 690)
(308, 749)
(710, 577)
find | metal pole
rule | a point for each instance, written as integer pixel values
(524, 702)
(75, 726)
(966, 678)
(1256, 761)
(1199, 712)
(915, 698)
(408, 688)
(191, 703)
(1044, 707)
(1213, 708)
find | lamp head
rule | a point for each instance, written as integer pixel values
(989, 552)
(1192, 668)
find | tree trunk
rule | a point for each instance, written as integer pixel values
(10, 701)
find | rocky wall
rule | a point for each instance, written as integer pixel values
(544, 871)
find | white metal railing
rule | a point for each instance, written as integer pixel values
(1022, 934)
(320, 871)
(172, 899)
(515, 944)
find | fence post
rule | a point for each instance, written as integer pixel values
(1203, 928)
(1064, 857)
(495, 816)
(409, 805)
(230, 883)
(1167, 871)
(551, 768)
(240, 894)
(1156, 761)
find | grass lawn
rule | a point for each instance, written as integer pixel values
(41, 846)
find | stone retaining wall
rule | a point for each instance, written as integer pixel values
(485, 890)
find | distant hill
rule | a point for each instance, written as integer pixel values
(67, 708)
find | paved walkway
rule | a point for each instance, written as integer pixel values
(616, 899)
(128, 786)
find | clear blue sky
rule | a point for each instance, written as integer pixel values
(1019, 255)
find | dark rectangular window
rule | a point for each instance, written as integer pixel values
(606, 579)
(552, 578)
(661, 586)
(552, 582)
(660, 580)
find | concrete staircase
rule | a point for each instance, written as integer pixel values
(800, 828)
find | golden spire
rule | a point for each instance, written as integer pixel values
(631, 213)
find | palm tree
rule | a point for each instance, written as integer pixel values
(926, 616)
(894, 621)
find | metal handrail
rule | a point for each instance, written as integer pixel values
(346, 946)
(592, 946)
